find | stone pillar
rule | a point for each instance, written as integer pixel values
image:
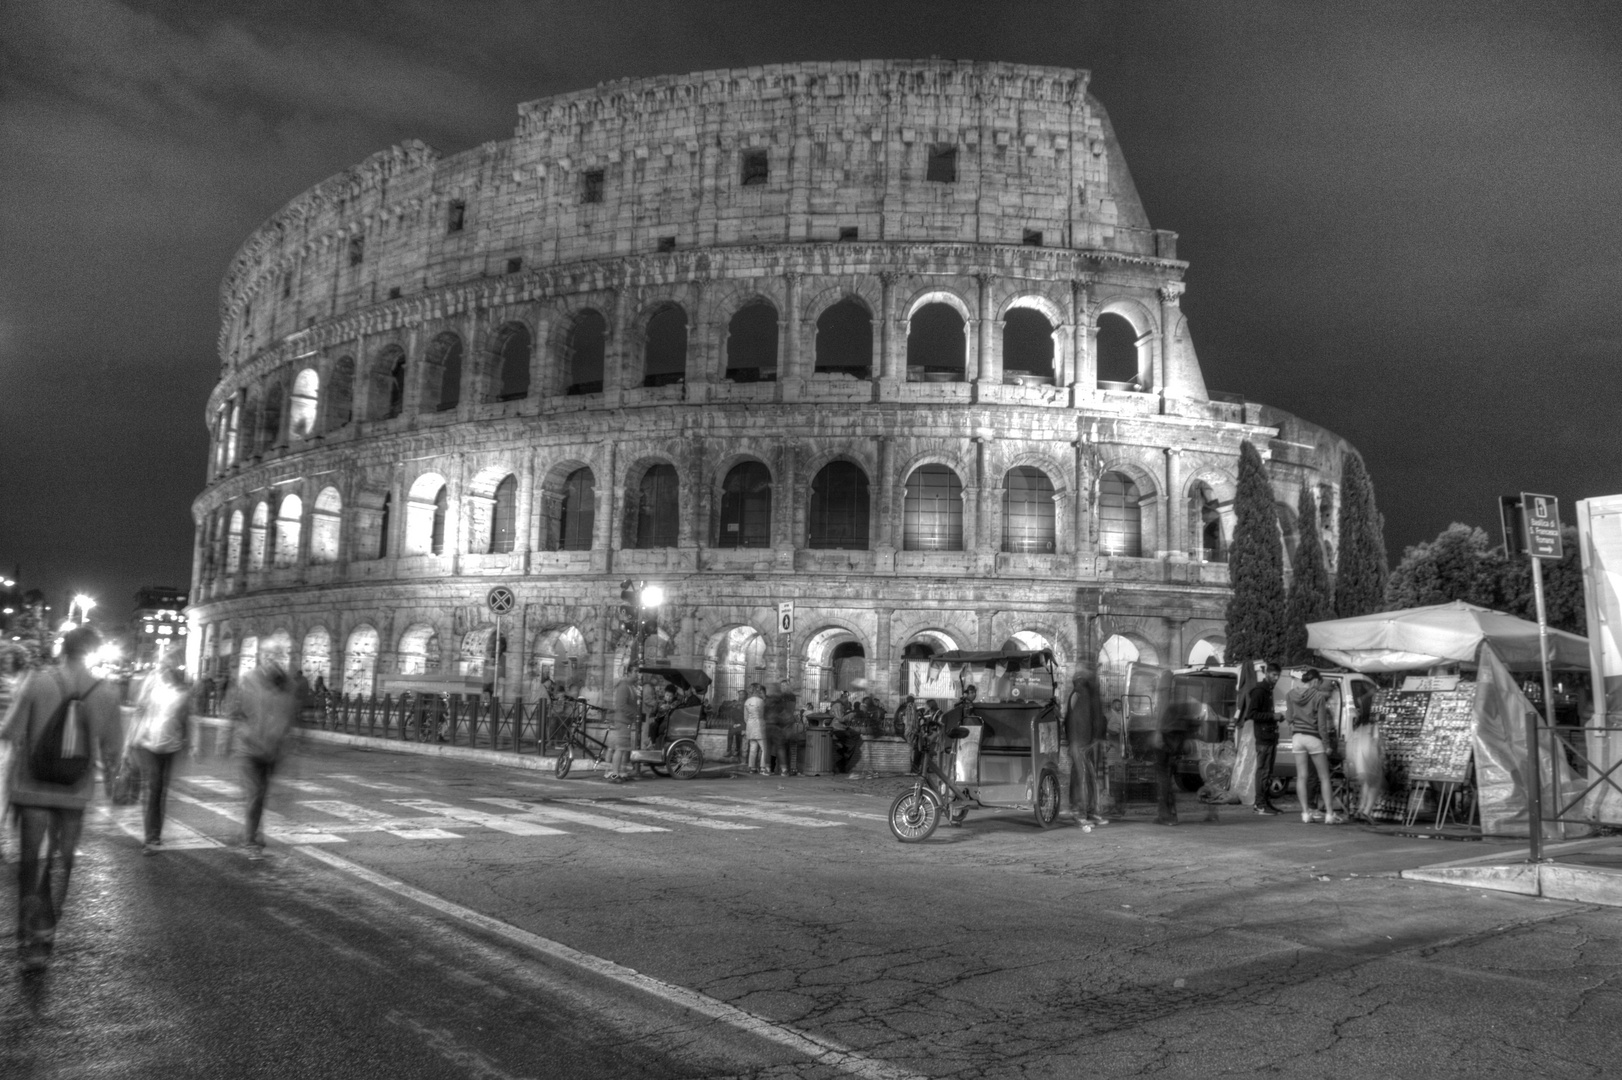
(791, 377)
(882, 667)
(987, 369)
(472, 389)
(1081, 522)
(1173, 541)
(616, 364)
(886, 510)
(891, 362)
(1166, 378)
(605, 537)
(785, 503)
(523, 511)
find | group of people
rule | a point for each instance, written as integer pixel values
(63, 721)
(1313, 739)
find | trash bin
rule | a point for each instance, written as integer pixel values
(819, 751)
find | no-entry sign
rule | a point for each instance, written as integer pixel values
(501, 599)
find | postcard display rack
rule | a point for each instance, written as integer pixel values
(1427, 729)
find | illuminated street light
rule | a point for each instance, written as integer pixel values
(83, 603)
(652, 596)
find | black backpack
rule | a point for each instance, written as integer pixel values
(62, 753)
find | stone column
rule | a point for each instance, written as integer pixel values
(616, 364)
(791, 376)
(1084, 373)
(891, 364)
(606, 538)
(523, 510)
(1166, 378)
(1081, 521)
(886, 510)
(1174, 540)
(987, 368)
(881, 669)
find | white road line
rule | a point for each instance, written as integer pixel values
(822, 1050)
(373, 819)
(862, 815)
(274, 826)
(214, 784)
(375, 785)
(662, 815)
(178, 835)
(516, 825)
(306, 786)
(549, 813)
(742, 811)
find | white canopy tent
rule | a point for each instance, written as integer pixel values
(1440, 634)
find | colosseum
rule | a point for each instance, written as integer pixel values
(892, 342)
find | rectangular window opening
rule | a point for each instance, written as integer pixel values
(667, 243)
(394, 293)
(455, 216)
(756, 168)
(1033, 238)
(357, 250)
(942, 164)
(591, 186)
(514, 265)
(848, 232)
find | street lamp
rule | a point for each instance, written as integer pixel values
(83, 603)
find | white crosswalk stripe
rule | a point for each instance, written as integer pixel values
(375, 785)
(550, 813)
(177, 836)
(306, 786)
(749, 812)
(517, 824)
(410, 829)
(274, 825)
(861, 815)
(214, 784)
(662, 815)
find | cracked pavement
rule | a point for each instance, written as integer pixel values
(994, 950)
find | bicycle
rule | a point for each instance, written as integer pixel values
(573, 736)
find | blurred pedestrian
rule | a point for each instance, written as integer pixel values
(784, 706)
(60, 719)
(908, 717)
(264, 716)
(622, 725)
(163, 728)
(1179, 715)
(754, 729)
(1086, 726)
(1365, 753)
(847, 744)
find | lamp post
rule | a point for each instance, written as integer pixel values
(81, 603)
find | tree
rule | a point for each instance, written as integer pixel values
(1255, 612)
(1310, 598)
(1461, 564)
(1361, 570)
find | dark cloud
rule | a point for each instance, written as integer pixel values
(1402, 219)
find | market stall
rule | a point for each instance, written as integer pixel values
(1449, 730)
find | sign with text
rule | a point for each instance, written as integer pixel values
(1542, 516)
(931, 679)
(785, 617)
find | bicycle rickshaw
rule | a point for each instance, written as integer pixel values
(677, 751)
(1004, 747)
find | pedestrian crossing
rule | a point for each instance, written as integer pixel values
(337, 808)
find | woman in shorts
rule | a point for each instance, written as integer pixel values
(1310, 735)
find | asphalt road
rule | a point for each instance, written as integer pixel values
(436, 918)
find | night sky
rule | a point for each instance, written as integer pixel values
(1402, 220)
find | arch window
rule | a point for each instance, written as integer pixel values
(664, 359)
(746, 507)
(932, 515)
(316, 655)
(1120, 519)
(360, 661)
(288, 519)
(738, 658)
(426, 504)
(1114, 657)
(270, 418)
(1027, 345)
(937, 348)
(306, 400)
(512, 357)
(1207, 650)
(838, 515)
(233, 543)
(658, 508)
(436, 531)
(394, 383)
(561, 655)
(845, 339)
(247, 656)
(1205, 524)
(325, 526)
(276, 648)
(588, 335)
(419, 650)
(257, 539)
(1028, 525)
(577, 516)
(752, 343)
(233, 433)
(1118, 354)
(503, 517)
(442, 375)
(341, 394)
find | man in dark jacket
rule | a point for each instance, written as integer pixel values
(1085, 727)
(1256, 705)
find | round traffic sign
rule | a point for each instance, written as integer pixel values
(501, 599)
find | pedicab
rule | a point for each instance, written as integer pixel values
(675, 750)
(1003, 747)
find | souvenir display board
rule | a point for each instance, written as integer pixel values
(1426, 735)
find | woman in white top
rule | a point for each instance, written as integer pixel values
(754, 728)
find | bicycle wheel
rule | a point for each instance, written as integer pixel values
(1047, 800)
(564, 761)
(914, 815)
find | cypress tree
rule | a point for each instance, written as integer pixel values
(1310, 599)
(1361, 571)
(1255, 567)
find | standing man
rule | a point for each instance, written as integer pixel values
(622, 724)
(265, 713)
(1085, 727)
(57, 717)
(754, 730)
(1257, 706)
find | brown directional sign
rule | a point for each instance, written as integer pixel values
(1542, 516)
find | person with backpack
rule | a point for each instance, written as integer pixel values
(263, 718)
(162, 731)
(61, 720)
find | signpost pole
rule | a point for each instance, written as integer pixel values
(496, 694)
(1534, 776)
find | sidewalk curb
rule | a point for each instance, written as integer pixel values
(1551, 881)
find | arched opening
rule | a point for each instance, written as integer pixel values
(925, 645)
(746, 507)
(315, 656)
(932, 514)
(1027, 346)
(276, 648)
(306, 400)
(752, 343)
(233, 544)
(247, 656)
(1028, 517)
(325, 526)
(360, 661)
(936, 346)
(561, 655)
(270, 418)
(288, 519)
(654, 518)
(426, 504)
(442, 373)
(737, 659)
(257, 539)
(419, 650)
(512, 360)
(1205, 525)
(664, 360)
(387, 398)
(340, 394)
(583, 353)
(835, 661)
(503, 518)
(845, 339)
(1120, 519)
(483, 504)
(1117, 652)
(1207, 650)
(577, 512)
(838, 515)
(1118, 354)
(478, 655)
(1031, 684)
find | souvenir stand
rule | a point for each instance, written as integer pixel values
(1456, 730)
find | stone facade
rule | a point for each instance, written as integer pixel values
(541, 363)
